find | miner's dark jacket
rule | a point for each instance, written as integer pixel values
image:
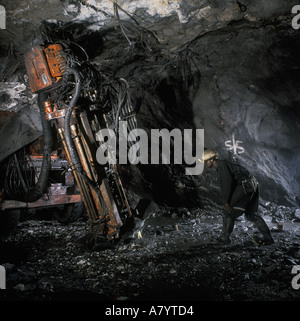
(230, 175)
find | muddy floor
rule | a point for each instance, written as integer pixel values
(172, 254)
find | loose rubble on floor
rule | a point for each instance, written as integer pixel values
(172, 254)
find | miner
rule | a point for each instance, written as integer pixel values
(240, 194)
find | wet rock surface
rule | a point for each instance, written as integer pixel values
(172, 254)
(190, 64)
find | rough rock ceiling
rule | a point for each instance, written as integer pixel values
(217, 65)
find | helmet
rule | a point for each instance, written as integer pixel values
(208, 154)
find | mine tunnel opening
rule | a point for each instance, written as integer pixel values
(167, 95)
(231, 72)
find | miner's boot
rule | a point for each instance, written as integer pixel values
(262, 226)
(227, 228)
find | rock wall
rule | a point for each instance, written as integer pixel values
(227, 68)
(247, 103)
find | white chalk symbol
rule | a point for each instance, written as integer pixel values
(233, 145)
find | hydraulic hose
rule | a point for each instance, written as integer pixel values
(68, 137)
(41, 186)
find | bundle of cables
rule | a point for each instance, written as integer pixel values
(19, 175)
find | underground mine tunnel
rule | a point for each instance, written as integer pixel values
(92, 205)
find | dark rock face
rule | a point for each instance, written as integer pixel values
(249, 96)
(214, 65)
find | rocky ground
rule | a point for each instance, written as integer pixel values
(170, 255)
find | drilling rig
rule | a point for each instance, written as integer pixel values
(75, 101)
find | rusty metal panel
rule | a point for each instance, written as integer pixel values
(55, 61)
(39, 75)
(54, 200)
